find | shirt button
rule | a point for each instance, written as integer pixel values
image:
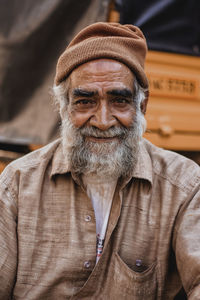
(88, 218)
(87, 264)
(138, 262)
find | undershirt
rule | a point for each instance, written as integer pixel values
(101, 192)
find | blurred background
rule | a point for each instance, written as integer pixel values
(34, 33)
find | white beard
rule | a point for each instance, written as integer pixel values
(116, 158)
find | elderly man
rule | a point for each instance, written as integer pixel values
(101, 213)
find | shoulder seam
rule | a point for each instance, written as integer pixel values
(9, 193)
(179, 184)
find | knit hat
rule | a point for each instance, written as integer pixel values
(124, 43)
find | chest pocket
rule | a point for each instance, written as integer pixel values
(118, 281)
(131, 284)
(128, 284)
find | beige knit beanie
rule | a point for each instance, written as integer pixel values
(124, 43)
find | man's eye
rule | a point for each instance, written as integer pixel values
(121, 101)
(84, 102)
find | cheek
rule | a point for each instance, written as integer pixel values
(79, 119)
(126, 118)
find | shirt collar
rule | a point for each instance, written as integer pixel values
(143, 169)
(60, 165)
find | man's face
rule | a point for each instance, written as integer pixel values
(101, 96)
(101, 124)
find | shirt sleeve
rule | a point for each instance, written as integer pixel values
(186, 243)
(8, 239)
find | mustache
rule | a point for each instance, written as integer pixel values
(109, 133)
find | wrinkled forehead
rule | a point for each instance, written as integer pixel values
(102, 72)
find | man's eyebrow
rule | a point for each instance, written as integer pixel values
(121, 92)
(83, 93)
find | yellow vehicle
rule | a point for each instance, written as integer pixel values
(174, 106)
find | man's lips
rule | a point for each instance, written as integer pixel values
(101, 139)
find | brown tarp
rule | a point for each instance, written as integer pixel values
(33, 33)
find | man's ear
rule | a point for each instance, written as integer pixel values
(143, 105)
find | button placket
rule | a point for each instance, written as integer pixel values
(87, 264)
(88, 218)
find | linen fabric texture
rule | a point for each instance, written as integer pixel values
(124, 43)
(48, 246)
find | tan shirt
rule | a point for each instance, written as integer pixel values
(48, 242)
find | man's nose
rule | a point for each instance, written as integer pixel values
(103, 118)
